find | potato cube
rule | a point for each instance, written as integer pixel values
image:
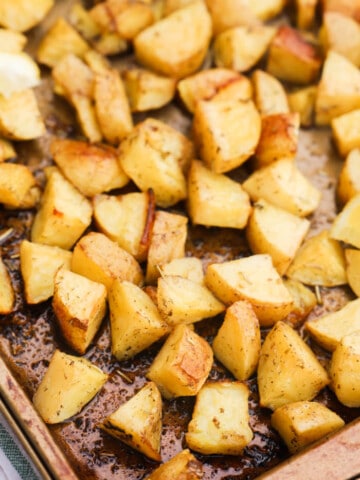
(63, 216)
(60, 40)
(181, 300)
(329, 329)
(84, 23)
(349, 177)
(303, 102)
(216, 200)
(346, 132)
(253, 279)
(304, 301)
(282, 184)
(20, 117)
(68, 385)
(345, 226)
(150, 155)
(278, 139)
(169, 6)
(92, 169)
(18, 71)
(38, 264)
(238, 342)
(100, 259)
(267, 9)
(16, 180)
(126, 219)
(135, 321)
(305, 13)
(277, 232)
(157, 47)
(186, 267)
(7, 150)
(241, 48)
(302, 423)
(7, 294)
(220, 420)
(226, 132)
(338, 90)
(319, 261)
(292, 58)
(240, 89)
(166, 243)
(11, 41)
(352, 260)
(183, 466)
(227, 14)
(138, 421)
(21, 15)
(147, 90)
(345, 370)
(183, 363)
(269, 94)
(288, 369)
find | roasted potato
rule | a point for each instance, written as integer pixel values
(345, 132)
(352, 261)
(305, 13)
(186, 267)
(304, 301)
(183, 466)
(227, 14)
(302, 101)
(269, 94)
(345, 225)
(7, 294)
(21, 15)
(16, 180)
(349, 177)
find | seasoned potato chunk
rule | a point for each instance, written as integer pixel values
(351, 8)
(68, 385)
(7, 150)
(352, 261)
(253, 279)
(346, 132)
(11, 40)
(183, 466)
(21, 15)
(186, 267)
(302, 423)
(305, 13)
(238, 342)
(288, 369)
(304, 301)
(17, 72)
(216, 200)
(267, 9)
(226, 14)
(16, 180)
(183, 363)
(220, 421)
(7, 294)
(303, 102)
(98, 258)
(138, 421)
(349, 177)
(269, 94)
(135, 321)
(345, 226)
(177, 44)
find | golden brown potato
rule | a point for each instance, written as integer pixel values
(183, 466)
(220, 420)
(267, 9)
(21, 15)
(169, 6)
(7, 294)
(349, 177)
(186, 267)
(11, 41)
(226, 14)
(352, 261)
(288, 369)
(351, 8)
(18, 72)
(346, 132)
(269, 94)
(303, 102)
(7, 150)
(305, 13)
(157, 47)
(345, 225)
(16, 180)
(183, 363)
(304, 301)
(138, 421)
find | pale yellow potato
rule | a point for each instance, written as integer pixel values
(237, 343)
(329, 329)
(292, 58)
(346, 132)
(84, 23)
(60, 40)
(183, 466)
(302, 423)
(87, 118)
(275, 231)
(21, 15)
(351, 8)
(7, 294)
(183, 363)
(288, 369)
(20, 117)
(304, 301)
(279, 138)
(80, 306)
(64, 213)
(7, 150)
(205, 84)
(68, 385)
(16, 180)
(267, 9)
(38, 265)
(151, 156)
(169, 6)
(215, 199)
(147, 90)
(349, 177)
(177, 44)
(269, 94)
(135, 321)
(254, 279)
(181, 300)
(226, 14)
(167, 242)
(338, 90)
(346, 226)
(303, 102)
(282, 184)
(241, 48)
(100, 259)
(319, 261)
(186, 267)
(352, 260)
(11, 40)
(220, 420)
(92, 169)
(226, 132)
(126, 219)
(345, 370)
(240, 89)
(18, 71)
(305, 14)
(138, 422)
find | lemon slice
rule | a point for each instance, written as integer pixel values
(17, 72)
